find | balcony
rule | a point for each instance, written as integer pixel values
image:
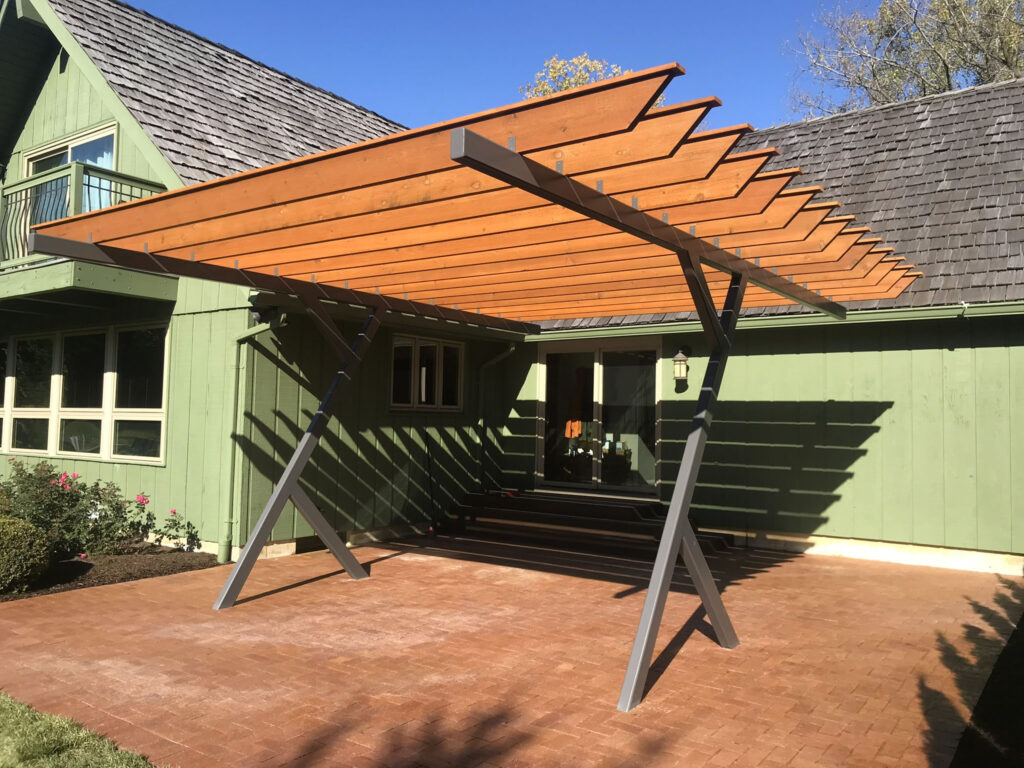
(66, 191)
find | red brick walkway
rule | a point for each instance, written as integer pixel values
(465, 661)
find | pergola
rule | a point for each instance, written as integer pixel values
(587, 203)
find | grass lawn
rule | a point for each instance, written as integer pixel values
(30, 739)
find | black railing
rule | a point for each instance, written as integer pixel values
(66, 191)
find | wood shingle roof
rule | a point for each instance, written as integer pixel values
(210, 110)
(941, 178)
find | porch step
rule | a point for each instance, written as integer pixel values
(593, 506)
(598, 524)
(590, 542)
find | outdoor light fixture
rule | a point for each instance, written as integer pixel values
(680, 366)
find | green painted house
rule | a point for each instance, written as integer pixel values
(898, 433)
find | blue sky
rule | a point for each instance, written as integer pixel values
(423, 62)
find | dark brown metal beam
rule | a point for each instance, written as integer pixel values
(472, 150)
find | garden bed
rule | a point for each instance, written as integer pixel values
(96, 570)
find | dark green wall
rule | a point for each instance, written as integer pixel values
(900, 431)
(377, 466)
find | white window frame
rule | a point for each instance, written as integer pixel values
(66, 144)
(107, 414)
(417, 343)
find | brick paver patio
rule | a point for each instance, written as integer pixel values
(472, 659)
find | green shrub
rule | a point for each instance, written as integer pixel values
(76, 517)
(24, 554)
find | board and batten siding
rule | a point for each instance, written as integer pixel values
(193, 477)
(377, 466)
(908, 432)
(900, 431)
(69, 105)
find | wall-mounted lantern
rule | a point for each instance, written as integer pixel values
(680, 367)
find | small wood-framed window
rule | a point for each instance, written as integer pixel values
(426, 373)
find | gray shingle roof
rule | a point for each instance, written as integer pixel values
(940, 178)
(210, 110)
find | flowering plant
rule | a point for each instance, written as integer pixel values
(76, 516)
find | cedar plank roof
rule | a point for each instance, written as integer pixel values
(210, 110)
(942, 177)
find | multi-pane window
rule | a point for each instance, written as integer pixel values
(97, 393)
(426, 373)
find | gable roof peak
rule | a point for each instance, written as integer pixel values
(209, 109)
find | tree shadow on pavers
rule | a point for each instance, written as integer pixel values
(488, 737)
(994, 735)
(482, 738)
(729, 564)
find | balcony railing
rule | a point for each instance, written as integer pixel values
(71, 189)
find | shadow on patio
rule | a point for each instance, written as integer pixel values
(484, 737)
(729, 565)
(993, 737)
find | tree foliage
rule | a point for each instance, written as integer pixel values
(563, 74)
(908, 49)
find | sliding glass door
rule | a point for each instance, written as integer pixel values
(600, 419)
(628, 419)
(569, 418)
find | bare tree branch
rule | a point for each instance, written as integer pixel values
(907, 49)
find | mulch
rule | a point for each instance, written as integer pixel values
(96, 570)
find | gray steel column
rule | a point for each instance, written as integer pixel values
(677, 529)
(288, 486)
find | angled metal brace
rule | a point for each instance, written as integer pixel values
(705, 307)
(678, 531)
(323, 321)
(288, 486)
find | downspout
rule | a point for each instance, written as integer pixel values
(481, 429)
(224, 547)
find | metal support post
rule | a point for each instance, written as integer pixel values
(678, 530)
(288, 486)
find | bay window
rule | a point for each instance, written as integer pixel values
(97, 394)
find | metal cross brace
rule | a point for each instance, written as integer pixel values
(477, 152)
(678, 531)
(288, 486)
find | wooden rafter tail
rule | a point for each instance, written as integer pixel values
(752, 198)
(537, 123)
(255, 232)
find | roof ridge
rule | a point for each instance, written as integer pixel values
(250, 59)
(956, 92)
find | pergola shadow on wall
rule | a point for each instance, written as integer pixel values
(587, 203)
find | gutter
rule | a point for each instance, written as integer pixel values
(481, 429)
(961, 309)
(224, 546)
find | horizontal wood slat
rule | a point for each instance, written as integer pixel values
(399, 216)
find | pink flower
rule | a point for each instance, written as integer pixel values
(67, 487)
(83, 555)
(75, 475)
(53, 482)
(174, 511)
